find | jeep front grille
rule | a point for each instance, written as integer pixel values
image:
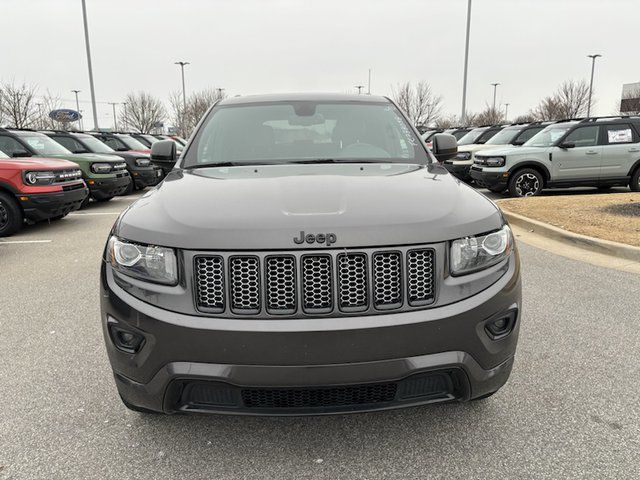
(335, 283)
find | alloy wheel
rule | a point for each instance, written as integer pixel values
(527, 185)
(4, 216)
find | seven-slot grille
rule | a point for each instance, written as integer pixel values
(315, 283)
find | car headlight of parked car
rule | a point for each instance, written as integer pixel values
(470, 254)
(494, 161)
(143, 162)
(145, 262)
(463, 155)
(100, 167)
(39, 178)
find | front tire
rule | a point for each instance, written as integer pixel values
(526, 183)
(11, 217)
(634, 185)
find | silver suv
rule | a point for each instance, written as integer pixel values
(599, 152)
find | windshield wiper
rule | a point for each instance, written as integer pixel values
(336, 160)
(216, 164)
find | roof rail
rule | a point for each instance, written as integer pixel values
(595, 119)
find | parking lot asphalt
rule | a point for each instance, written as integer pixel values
(570, 409)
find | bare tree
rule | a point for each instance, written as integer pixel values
(18, 103)
(141, 112)
(48, 103)
(449, 121)
(570, 100)
(197, 105)
(489, 116)
(525, 118)
(418, 102)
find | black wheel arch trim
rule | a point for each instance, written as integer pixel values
(530, 164)
(634, 167)
(8, 188)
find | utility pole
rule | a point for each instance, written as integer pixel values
(593, 66)
(184, 95)
(115, 121)
(369, 84)
(506, 111)
(86, 41)
(78, 108)
(495, 87)
(359, 87)
(463, 115)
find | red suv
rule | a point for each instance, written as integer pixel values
(36, 189)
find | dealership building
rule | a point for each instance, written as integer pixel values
(630, 102)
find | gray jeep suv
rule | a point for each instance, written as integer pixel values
(308, 256)
(598, 151)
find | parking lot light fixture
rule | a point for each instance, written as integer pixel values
(495, 88)
(593, 65)
(91, 87)
(463, 115)
(78, 108)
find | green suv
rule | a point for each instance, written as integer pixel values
(105, 175)
(597, 152)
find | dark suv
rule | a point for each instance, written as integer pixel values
(308, 256)
(142, 172)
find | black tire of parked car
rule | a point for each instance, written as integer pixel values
(496, 189)
(11, 218)
(105, 199)
(525, 183)
(634, 185)
(85, 202)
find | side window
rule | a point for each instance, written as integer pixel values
(11, 146)
(584, 136)
(527, 134)
(114, 143)
(70, 144)
(620, 133)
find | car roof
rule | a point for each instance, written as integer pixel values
(303, 97)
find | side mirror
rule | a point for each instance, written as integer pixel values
(517, 143)
(164, 151)
(567, 145)
(444, 146)
(20, 153)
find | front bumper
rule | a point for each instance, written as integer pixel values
(489, 178)
(103, 188)
(298, 367)
(460, 171)
(146, 177)
(42, 206)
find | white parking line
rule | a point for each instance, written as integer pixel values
(93, 213)
(2, 242)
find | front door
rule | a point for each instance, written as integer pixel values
(581, 162)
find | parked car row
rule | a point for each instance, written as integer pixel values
(523, 159)
(45, 175)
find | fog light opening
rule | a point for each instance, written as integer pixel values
(125, 340)
(502, 326)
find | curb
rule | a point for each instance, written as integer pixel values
(597, 245)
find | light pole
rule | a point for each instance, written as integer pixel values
(184, 95)
(593, 66)
(220, 90)
(359, 87)
(369, 84)
(495, 87)
(86, 41)
(506, 111)
(115, 121)
(463, 115)
(78, 108)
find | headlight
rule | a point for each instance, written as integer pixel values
(471, 254)
(120, 166)
(490, 161)
(146, 262)
(143, 162)
(100, 167)
(39, 178)
(463, 155)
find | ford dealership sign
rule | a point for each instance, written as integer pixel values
(65, 115)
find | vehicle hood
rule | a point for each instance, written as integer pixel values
(476, 147)
(511, 150)
(91, 157)
(36, 163)
(265, 207)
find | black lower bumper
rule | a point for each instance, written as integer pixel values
(490, 180)
(104, 188)
(43, 206)
(147, 177)
(458, 171)
(388, 361)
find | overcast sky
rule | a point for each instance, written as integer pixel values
(258, 46)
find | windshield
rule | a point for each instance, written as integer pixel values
(459, 134)
(305, 131)
(3, 155)
(149, 138)
(504, 137)
(549, 136)
(131, 143)
(472, 136)
(94, 145)
(43, 145)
